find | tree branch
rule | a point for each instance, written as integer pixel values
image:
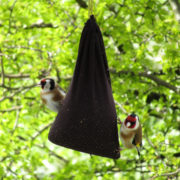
(57, 156)
(17, 88)
(151, 144)
(167, 174)
(52, 153)
(41, 131)
(4, 158)
(2, 70)
(118, 170)
(41, 25)
(16, 121)
(23, 47)
(26, 88)
(11, 96)
(11, 109)
(82, 3)
(149, 76)
(176, 8)
(10, 16)
(16, 76)
(159, 81)
(121, 107)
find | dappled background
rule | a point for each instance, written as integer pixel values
(41, 38)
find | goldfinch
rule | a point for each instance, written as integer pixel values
(51, 94)
(131, 133)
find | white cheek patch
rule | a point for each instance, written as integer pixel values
(128, 124)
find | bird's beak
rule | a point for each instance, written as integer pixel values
(128, 124)
(39, 84)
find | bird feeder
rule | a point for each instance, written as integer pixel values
(87, 121)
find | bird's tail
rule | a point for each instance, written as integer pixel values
(137, 147)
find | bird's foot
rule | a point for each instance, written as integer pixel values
(119, 121)
(119, 150)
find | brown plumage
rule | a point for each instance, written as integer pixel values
(131, 132)
(138, 136)
(51, 94)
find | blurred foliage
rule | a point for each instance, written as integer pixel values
(41, 38)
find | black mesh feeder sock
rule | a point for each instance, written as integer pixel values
(87, 121)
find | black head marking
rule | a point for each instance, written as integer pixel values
(133, 115)
(52, 84)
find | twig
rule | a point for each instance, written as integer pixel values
(67, 78)
(4, 158)
(16, 121)
(50, 61)
(66, 37)
(16, 76)
(41, 131)
(10, 16)
(117, 170)
(16, 88)
(20, 90)
(11, 109)
(11, 96)
(23, 47)
(52, 152)
(9, 167)
(57, 75)
(2, 70)
(167, 174)
(41, 25)
(152, 145)
(57, 156)
(121, 107)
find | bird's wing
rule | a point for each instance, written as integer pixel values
(61, 91)
(137, 141)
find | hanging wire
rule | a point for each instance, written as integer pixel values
(90, 4)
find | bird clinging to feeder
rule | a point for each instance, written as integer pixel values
(131, 132)
(51, 94)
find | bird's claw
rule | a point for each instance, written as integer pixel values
(118, 150)
(119, 121)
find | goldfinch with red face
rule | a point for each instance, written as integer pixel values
(131, 133)
(51, 94)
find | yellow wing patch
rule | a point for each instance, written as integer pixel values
(138, 145)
